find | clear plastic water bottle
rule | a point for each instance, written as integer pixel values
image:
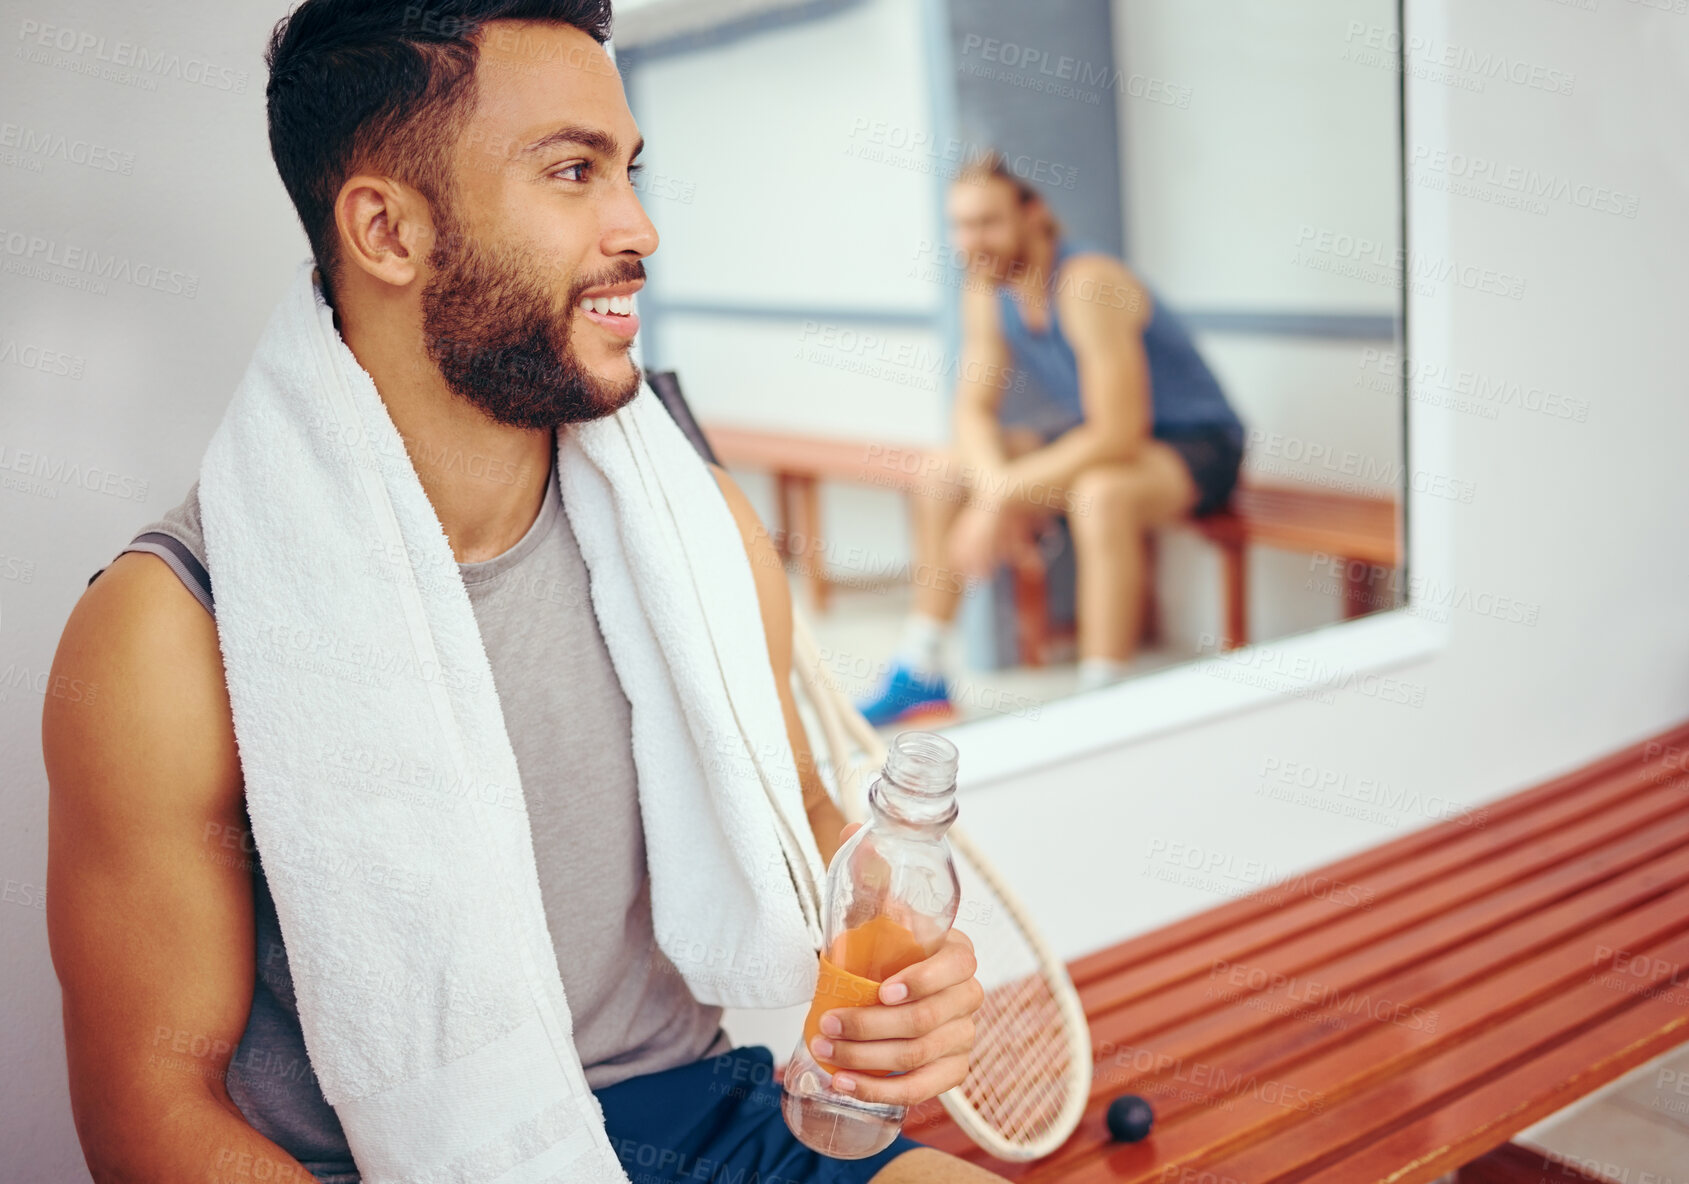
(890, 898)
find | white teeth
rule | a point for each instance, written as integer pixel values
(617, 305)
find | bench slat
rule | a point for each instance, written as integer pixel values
(1398, 895)
(864, 462)
(1532, 1040)
(1220, 1012)
(1364, 1052)
(1345, 526)
(1601, 780)
(1487, 1117)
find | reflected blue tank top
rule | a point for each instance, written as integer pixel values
(1184, 394)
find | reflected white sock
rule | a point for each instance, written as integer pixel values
(1099, 672)
(923, 643)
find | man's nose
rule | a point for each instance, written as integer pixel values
(627, 228)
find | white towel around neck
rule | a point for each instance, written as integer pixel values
(383, 791)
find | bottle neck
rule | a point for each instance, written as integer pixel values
(895, 804)
(917, 788)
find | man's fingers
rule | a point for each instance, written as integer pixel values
(908, 1089)
(901, 1055)
(878, 1021)
(954, 962)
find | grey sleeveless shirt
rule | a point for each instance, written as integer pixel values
(569, 724)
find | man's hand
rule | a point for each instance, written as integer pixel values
(922, 1028)
(984, 535)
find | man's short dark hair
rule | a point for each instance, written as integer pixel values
(992, 165)
(386, 85)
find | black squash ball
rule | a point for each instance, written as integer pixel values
(1129, 1118)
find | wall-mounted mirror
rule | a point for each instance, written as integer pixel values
(1058, 343)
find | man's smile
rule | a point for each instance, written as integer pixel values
(611, 307)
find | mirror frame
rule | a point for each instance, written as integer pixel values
(1349, 655)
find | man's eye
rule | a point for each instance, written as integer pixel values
(635, 171)
(579, 165)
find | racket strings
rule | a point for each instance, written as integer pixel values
(1018, 1072)
(1020, 1066)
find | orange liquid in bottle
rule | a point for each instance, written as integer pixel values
(861, 958)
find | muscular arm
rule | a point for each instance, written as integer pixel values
(149, 893)
(1103, 310)
(981, 376)
(774, 597)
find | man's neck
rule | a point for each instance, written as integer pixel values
(1032, 276)
(485, 480)
(1029, 278)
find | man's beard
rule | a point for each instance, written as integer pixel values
(998, 266)
(502, 344)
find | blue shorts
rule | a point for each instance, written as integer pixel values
(1212, 452)
(1214, 456)
(718, 1120)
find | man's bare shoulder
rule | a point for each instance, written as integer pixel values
(137, 684)
(1097, 286)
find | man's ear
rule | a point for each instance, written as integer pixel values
(386, 228)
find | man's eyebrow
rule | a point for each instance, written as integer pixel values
(586, 137)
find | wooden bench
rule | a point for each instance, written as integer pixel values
(1359, 533)
(1402, 1012)
(799, 464)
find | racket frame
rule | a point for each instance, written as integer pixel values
(846, 734)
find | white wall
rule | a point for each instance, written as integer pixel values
(817, 194)
(1585, 519)
(642, 21)
(771, 128)
(1246, 124)
(90, 455)
(1242, 126)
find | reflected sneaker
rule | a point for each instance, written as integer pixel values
(906, 695)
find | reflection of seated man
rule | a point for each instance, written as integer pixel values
(1078, 392)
